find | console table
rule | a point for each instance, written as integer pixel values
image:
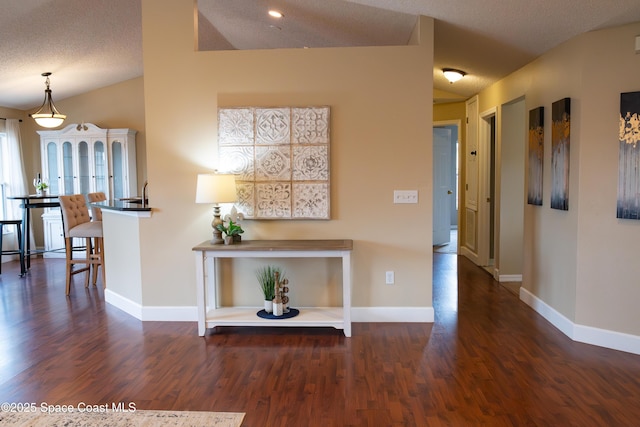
(210, 314)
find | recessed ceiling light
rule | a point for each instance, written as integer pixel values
(275, 14)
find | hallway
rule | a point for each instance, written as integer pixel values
(487, 360)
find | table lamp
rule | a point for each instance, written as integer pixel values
(216, 189)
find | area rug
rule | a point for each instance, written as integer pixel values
(122, 419)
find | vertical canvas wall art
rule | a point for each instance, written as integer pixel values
(560, 146)
(536, 156)
(629, 156)
(280, 157)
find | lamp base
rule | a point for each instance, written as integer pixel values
(217, 238)
(217, 234)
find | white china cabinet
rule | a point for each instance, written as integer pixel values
(82, 159)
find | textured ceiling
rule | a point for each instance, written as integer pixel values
(88, 44)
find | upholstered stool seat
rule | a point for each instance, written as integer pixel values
(20, 251)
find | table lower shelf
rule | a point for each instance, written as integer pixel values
(247, 316)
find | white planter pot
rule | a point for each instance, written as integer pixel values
(268, 306)
(277, 309)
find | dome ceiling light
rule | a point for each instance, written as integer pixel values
(453, 75)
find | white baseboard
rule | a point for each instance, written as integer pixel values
(152, 313)
(190, 313)
(124, 304)
(585, 334)
(507, 277)
(392, 314)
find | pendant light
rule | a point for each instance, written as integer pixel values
(48, 115)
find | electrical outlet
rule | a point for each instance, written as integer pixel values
(405, 196)
(389, 277)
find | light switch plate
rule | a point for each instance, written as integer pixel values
(405, 196)
(389, 278)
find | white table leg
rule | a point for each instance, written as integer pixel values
(201, 293)
(346, 291)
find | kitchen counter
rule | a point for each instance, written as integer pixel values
(123, 206)
(125, 253)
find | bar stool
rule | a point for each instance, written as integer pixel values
(96, 215)
(20, 250)
(77, 224)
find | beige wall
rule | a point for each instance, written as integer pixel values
(381, 116)
(510, 191)
(607, 271)
(117, 106)
(581, 262)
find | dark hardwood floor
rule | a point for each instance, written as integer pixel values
(488, 360)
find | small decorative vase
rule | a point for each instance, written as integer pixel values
(228, 240)
(237, 238)
(38, 192)
(268, 306)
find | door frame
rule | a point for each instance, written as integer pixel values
(484, 184)
(458, 124)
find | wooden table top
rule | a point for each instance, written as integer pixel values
(279, 245)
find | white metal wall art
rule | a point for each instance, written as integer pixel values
(280, 157)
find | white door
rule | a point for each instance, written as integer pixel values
(442, 186)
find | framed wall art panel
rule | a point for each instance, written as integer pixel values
(536, 156)
(280, 157)
(628, 204)
(560, 146)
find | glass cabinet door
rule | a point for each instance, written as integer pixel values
(100, 165)
(52, 168)
(67, 167)
(118, 172)
(83, 167)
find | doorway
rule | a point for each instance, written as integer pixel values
(487, 211)
(445, 186)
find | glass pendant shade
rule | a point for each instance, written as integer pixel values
(48, 115)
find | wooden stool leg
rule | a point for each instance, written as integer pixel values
(104, 282)
(68, 249)
(94, 259)
(98, 261)
(88, 254)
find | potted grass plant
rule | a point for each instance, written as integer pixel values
(267, 280)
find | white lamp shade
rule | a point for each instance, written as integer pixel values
(49, 120)
(216, 188)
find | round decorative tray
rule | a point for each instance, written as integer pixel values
(293, 312)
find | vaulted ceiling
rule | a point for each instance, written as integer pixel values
(88, 44)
